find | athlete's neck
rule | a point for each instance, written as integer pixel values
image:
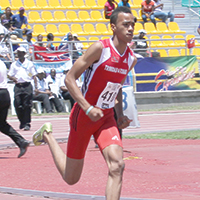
(120, 46)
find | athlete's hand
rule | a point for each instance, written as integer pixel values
(95, 114)
(123, 122)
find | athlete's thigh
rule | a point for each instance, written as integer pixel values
(81, 130)
(108, 133)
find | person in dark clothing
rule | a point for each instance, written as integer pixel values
(6, 128)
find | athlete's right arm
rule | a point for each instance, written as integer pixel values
(91, 56)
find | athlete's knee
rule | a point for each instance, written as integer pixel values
(116, 168)
(71, 180)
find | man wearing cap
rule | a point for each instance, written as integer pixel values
(140, 44)
(19, 20)
(29, 44)
(22, 72)
(78, 45)
(42, 92)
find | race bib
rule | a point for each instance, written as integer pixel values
(107, 97)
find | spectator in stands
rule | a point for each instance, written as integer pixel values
(6, 19)
(124, 3)
(53, 83)
(42, 92)
(158, 12)
(50, 39)
(78, 45)
(147, 7)
(64, 91)
(39, 40)
(19, 20)
(109, 7)
(15, 41)
(29, 43)
(140, 44)
(5, 52)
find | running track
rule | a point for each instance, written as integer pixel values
(150, 122)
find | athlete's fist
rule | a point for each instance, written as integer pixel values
(123, 122)
(95, 114)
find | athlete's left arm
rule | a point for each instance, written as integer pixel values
(122, 120)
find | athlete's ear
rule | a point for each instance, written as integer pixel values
(113, 27)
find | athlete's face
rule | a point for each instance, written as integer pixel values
(124, 27)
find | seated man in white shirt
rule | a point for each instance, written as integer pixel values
(53, 83)
(64, 91)
(42, 92)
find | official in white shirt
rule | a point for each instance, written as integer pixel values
(22, 72)
(6, 128)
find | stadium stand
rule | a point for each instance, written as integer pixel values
(80, 4)
(173, 52)
(72, 16)
(96, 15)
(102, 29)
(48, 17)
(173, 27)
(30, 5)
(63, 29)
(43, 5)
(155, 41)
(93, 38)
(84, 15)
(77, 28)
(52, 28)
(16, 4)
(55, 4)
(91, 4)
(38, 29)
(34, 17)
(89, 29)
(163, 52)
(60, 16)
(4, 4)
(162, 27)
(100, 3)
(169, 41)
(180, 43)
(151, 29)
(189, 36)
(138, 26)
(67, 4)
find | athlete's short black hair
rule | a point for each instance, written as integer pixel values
(114, 15)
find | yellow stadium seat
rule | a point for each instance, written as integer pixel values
(173, 26)
(173, 52)
(16, 4)
(67, 4)
(60, 16)
(72, 16)
(192, 36)
(85, 44)
(184, 52)
(180, 43)
(162, 27)
(163, 52)
(30, 5)
(84, 15)
(135, 14)
(52, 28)
(157, 41)
(76, 28)
(101, 3)
(92, 4)
(63, 29)
(102, 29)
(55, 4)
(48, 17)
(89, 29)
(96, 15)
(38, 29)
(137, 27)
(105, 37)
(34, 17)
(5, 4)
(150, 28)
(43, 5)
(137, 3)
(80, 4)
(170, 42)
(94, 39)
